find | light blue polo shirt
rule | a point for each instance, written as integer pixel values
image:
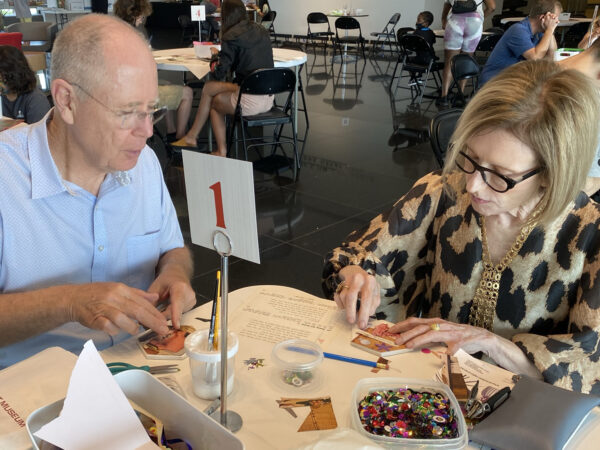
(53, 232)
(510, 48)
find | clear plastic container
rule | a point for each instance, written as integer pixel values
(368, 385)
(205, 365)
(297, 363)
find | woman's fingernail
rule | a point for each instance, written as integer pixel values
(362, 324)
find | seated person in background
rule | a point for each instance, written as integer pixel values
(211, 25)
(500, 252)
(532, 38)
(424, 20)
(175, 97)
(586, 41)
(21, 98)
(245, 47)
(90, 242)
(588, 63)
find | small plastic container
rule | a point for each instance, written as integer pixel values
(206, 365)
(564, 53)
(368, 385)
(297, 363)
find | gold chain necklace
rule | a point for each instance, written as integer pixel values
(483, 308)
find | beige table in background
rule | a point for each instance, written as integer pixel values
(184, 59)
(61, 15)
(562, 23)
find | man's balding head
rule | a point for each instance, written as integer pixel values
(85, 48)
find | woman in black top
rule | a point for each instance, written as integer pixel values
(245, 47)
(21, 98)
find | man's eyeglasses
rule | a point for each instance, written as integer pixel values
(129, 119)
(493, 179)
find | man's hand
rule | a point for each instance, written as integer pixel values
(549, 22)
(178, 291)
(112, 307)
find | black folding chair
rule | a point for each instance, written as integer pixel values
(418, 58)
(387, 36)
(320, 33)
(348, 24)
(267, 22)
(485, 47)
(441, 128)
(189, 31)
(301, 108)
(495, 30)
(464, 67)
(267, 82)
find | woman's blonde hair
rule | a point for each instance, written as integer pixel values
(555, 112)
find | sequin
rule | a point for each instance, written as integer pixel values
(403, 413)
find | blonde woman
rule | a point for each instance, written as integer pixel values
(500, 253)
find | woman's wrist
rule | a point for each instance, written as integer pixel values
(510, 357)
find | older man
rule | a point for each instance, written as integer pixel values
(89, 238)
(532, 38)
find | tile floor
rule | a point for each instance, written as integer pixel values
(349, 174)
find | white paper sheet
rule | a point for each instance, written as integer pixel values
(491, 378)
(96, 413)
(278, 313)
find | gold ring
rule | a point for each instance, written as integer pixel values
(341, 287)
(435, 326)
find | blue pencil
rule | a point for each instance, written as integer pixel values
(362, 362)
(348, 359)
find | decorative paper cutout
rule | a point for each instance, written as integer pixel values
(321, 416)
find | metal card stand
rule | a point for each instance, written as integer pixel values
(229, 419)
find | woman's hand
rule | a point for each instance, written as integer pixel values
(214, 51)
(357, 283)
(418, 332)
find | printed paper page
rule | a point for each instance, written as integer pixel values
(277, 313)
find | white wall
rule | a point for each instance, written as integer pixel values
(291, 14)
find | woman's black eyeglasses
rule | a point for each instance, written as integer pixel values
(493, 179)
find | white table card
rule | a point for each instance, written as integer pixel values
(220, 193)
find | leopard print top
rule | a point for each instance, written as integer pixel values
(426, 256)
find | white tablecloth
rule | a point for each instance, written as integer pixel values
(265, 425)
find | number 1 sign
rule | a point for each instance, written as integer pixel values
(220, 195)
(198, 13)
